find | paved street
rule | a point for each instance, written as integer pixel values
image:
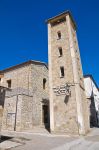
(40, 141)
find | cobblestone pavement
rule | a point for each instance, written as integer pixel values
(42, 141)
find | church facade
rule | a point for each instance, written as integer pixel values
(26, 96)
(52, 97)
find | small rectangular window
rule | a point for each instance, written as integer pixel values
(44, 83)
(9, 83)
(60, 51)
(62, 72)
(59, 35)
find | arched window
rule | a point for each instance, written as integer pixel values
(44, 83)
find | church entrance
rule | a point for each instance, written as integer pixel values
(45, 115)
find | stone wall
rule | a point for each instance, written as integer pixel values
(1, 114)
(23, 104)
(9, 113)
(66, 113)
(64, 107)
(39, 94)
(20, 77)
(25, 120)
(65, 60)
(71, 116)
(84, 100)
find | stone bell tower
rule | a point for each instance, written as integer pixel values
(68, 105)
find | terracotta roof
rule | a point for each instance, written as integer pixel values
(24, 64)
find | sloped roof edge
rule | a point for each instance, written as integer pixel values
(23, 64)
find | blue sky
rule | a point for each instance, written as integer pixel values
(23, 32)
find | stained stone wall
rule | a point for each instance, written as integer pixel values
(39, 94)
(26, 112)
(19, 119)
(2, 97)
(1, 114)
(67, 114)
(23, 104)
(9, 113)
(65, 60)
(65, 111)
(85, 105)
(20, 77)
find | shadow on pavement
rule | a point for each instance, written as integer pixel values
(4, 138)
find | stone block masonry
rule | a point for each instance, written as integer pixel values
(23, 104)
(67, 112)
